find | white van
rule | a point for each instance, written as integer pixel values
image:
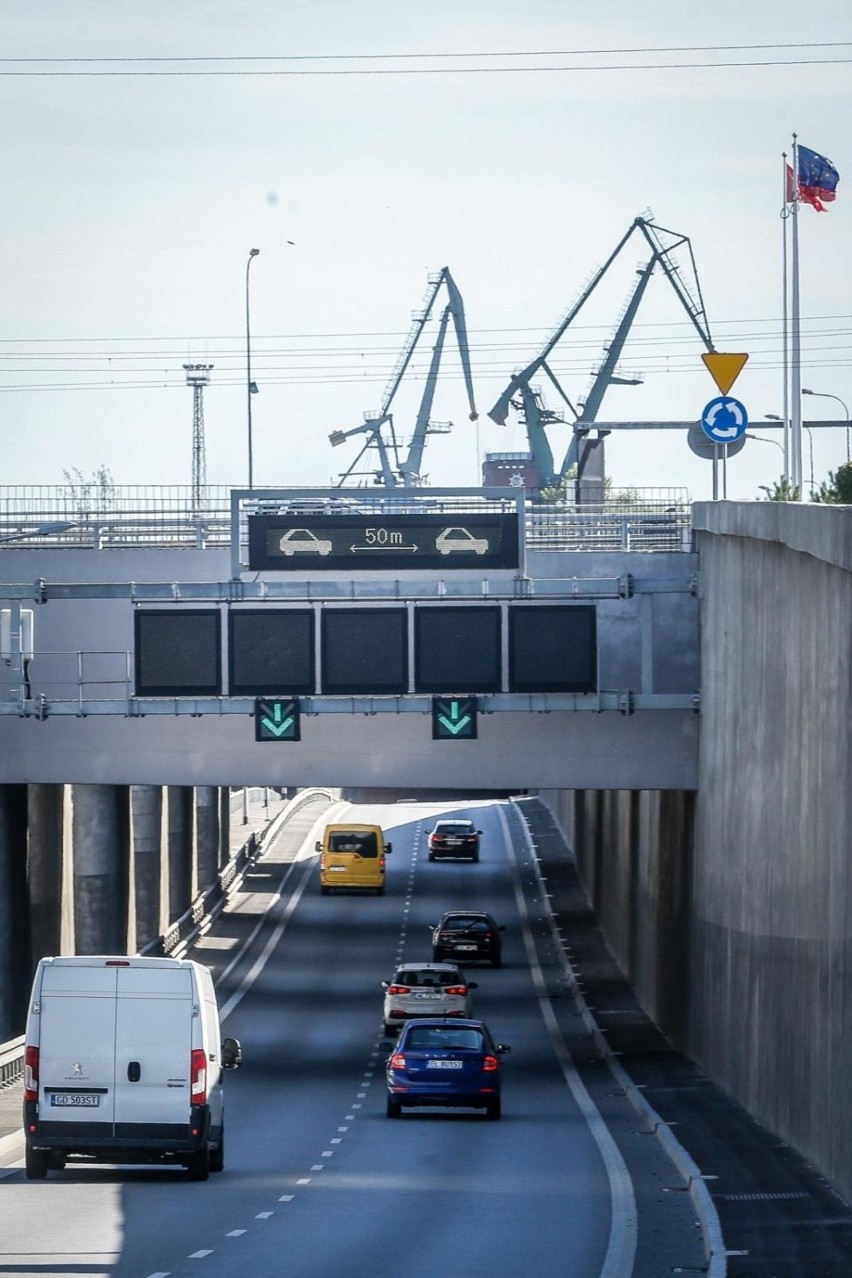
(123, 1063)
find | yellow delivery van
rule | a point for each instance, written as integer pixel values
(352, 856)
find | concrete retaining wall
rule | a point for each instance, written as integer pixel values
(731, 909)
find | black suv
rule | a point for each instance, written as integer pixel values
(468, 934)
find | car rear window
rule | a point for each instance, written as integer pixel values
(427, 979)
(421, 1039)
(459, 923)
(365, 845)
(447, 828)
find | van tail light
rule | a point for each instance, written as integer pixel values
(322, 862)
(490, 1064)
(397, 1061)
(399, 989)
(456, 989)
(198, 1077)
(31, 1074)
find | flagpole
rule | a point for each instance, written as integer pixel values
(796, 337)
(785, 336)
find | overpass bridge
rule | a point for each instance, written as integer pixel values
(699, 763)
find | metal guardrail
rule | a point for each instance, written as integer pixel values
(11, 1061)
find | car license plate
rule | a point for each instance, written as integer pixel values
(453, 843)
(427, 996)
(465, 947)
(74, 1100)
(445, 1065)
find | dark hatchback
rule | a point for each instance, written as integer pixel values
(468, 934)
(445, 1063)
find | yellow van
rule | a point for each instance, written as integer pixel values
(352, 856)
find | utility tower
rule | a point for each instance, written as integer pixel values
(197, 376)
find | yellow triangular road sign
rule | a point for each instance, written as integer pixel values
(724, 369)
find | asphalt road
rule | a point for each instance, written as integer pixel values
(317, 1180)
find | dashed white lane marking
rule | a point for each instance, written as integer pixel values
(326, 1153)
(159, 1274)
(317, 1167)
(199, 1255)
(236, 1233)
(336, 1140)
(264, 1215)
(286, 1198)
(305, 1180)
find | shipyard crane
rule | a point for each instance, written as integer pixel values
(527, 400)
(394, 469)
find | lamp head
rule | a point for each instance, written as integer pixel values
(809, 392)
(253, 252)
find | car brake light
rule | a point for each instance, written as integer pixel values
(490, 1064)
(31, 1074)
(399, 989)
(198, 1077)
(397, 1061)
(456, 989)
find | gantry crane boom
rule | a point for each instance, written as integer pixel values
(395, 470)
(519, 394)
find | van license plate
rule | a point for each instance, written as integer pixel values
(75, 1099)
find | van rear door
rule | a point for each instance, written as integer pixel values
(77, 1038)
(153, 1047)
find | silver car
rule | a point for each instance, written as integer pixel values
(426, 989)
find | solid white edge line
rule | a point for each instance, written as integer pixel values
(624, 1226)
(702, 1200)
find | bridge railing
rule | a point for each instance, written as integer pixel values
(172, 517)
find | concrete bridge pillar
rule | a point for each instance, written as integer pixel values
(146, 808)
(224, 825)
(100, 823)
(206, 836)
(179, 832)
(48, 811)
(14, 966)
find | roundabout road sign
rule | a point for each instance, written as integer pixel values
(724, 420)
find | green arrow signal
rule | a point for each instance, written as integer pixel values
(276, 720)
(454, 717)
(454, 724)
(280, 726)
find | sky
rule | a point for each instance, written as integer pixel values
(361, 146)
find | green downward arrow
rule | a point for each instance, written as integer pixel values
(454, 725)
(280, 726)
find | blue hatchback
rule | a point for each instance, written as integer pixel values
(446, 1063)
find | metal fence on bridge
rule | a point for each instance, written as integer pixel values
(148, 516)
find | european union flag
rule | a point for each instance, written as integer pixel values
(818, 178)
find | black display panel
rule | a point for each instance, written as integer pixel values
(552, 648)
(178, 653)
(335, 543)
(364, 652)
(271, 651)
(457, 649)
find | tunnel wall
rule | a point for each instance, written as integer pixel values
(730, 908)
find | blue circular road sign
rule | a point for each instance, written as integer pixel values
(724, 420)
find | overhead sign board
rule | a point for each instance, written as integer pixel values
(292, 542)
(724, 368)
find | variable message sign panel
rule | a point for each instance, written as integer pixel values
(178, 652)
(457, 649)
(552, 648)
(335, 543)
(364, 652)
(271, 650)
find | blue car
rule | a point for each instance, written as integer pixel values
(446, 1063)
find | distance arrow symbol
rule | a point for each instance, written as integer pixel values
(357, 549)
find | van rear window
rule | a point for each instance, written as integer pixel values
(365, 845)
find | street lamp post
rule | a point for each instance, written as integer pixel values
(773, 417)
(250, 386)
(826, 395)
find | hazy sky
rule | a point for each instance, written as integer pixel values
(131, 202)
